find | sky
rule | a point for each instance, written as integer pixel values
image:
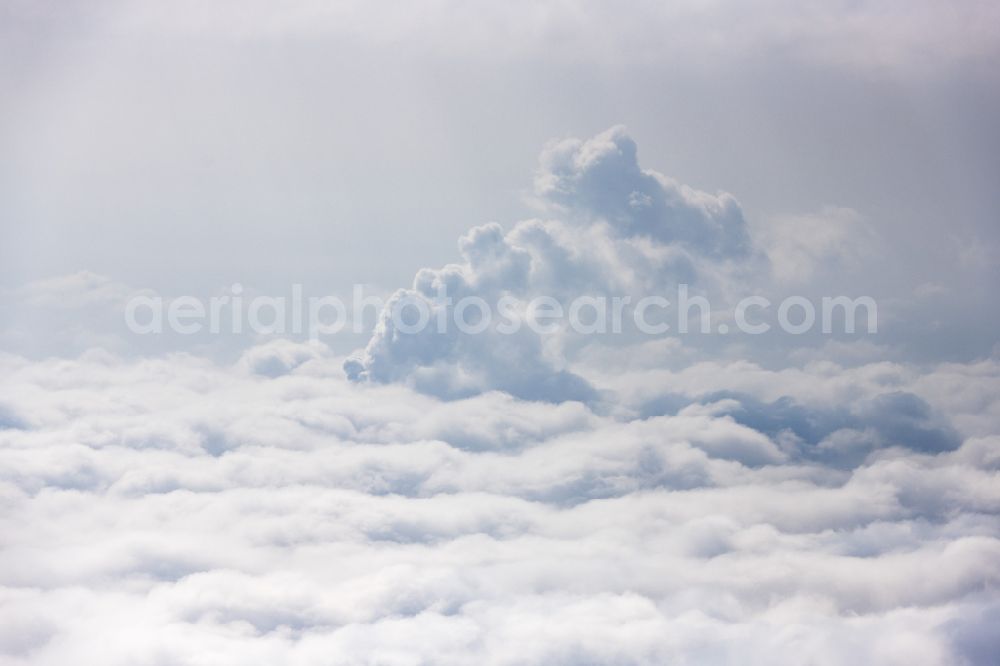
(557, 496)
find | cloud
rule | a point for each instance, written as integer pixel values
(75, 291)
(621, 230)
(66, 314)
(601, 178)
(279, 357)
(802, 246)
(296, 517)
(846, 434)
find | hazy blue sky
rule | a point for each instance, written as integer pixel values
(184, 150)
(339, 146)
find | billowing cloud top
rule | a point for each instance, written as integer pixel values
(615, 229)
(601, 178)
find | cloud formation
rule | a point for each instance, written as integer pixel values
(601, 178)
(526, 498)
(175, 510)
(617, 229)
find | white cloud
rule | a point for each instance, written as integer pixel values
(177, 510)
(622, 231)
(601, 178)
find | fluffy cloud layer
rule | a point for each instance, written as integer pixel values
(175, 511)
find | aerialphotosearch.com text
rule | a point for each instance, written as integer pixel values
(411, 313)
